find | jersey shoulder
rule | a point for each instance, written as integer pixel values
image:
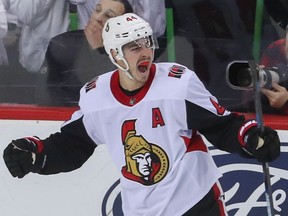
(97, 90)
(97, 83)
(173, 70)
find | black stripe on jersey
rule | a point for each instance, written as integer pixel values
(68, 150)
(221, 131)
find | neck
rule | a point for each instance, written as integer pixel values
(128, 83)
(93, 43)
(130, 93)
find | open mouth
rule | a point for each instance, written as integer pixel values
(143, 66)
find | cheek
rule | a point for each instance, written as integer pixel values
(132, 63)
(94, 15)
(131, 59)
(104, 20)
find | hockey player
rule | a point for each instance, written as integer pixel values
(150, 116)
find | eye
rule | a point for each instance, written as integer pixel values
(135, 48)
(109, 15)
(97, 10)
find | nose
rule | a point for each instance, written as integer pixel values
(146, 52)
(98, 18)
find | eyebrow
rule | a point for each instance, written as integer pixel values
(99, 6)
(131, 44)
(111, 11)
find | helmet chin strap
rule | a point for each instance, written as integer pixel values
(128, 73)
(126, 70)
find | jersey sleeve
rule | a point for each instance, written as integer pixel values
(68, 149)
(204, 114)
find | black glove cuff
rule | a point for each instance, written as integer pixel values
(37, 142)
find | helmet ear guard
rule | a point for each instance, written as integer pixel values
(117, 57)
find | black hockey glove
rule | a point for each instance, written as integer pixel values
(265, 146)
(24, 155)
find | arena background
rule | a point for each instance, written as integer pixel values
(205, 35)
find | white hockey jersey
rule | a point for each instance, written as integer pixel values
(165, 166)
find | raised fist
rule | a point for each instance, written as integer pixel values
(24, 155)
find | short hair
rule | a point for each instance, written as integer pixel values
(127, 6)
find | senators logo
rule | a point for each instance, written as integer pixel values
(242, 183)
(146, 162)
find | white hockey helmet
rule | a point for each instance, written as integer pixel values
(124, 29)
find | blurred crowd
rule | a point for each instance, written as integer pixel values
(42, 37)
(30, 25)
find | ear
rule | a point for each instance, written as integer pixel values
(115, 55)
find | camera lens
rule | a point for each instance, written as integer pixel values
(267, 76)
(244, 78)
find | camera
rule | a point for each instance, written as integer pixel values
(239, 75)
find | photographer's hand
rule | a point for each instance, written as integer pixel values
(277, 97)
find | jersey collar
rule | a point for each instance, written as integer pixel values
(124, 99)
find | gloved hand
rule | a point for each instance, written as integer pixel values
(265, 146)
(24, 155)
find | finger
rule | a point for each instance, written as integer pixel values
(20, 144)
(18, 165)
(8, 149)
(16, 147)
(264, 91)
(278, 87)
(267, 92)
